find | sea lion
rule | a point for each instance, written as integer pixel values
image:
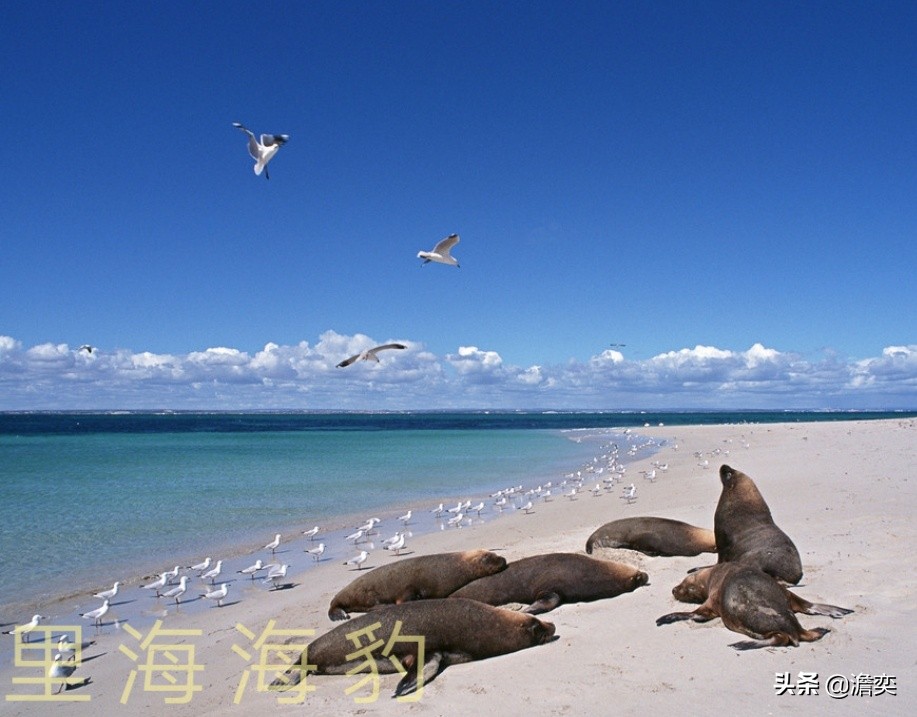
(745, 530)
(444, 631)
(750, 602)
(653, 536)
(546, 581)
(420, 578)
(694, 589)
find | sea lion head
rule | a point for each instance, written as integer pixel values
(489, 562)
(638, 579)
(538, 632)
(693, 588)
(727, 476)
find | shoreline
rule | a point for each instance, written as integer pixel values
(236, 553)
(839, 489)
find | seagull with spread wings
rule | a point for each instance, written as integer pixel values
(441, 251)
(369, 354)
(263, 150)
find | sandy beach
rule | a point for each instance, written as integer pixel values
(843, 491)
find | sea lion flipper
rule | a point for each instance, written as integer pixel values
(702, 614)
(545, 602)
(673, 617)
(431, 668)
(834, 611)
(338, 613)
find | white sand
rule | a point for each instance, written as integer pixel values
(844, 492)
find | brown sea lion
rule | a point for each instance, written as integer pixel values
(745, 530)
(750, 602)
(694, 589)
(653, 536)
(546, 581)
(449, 632)
(420, 578)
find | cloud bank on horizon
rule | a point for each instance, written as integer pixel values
(60, 377)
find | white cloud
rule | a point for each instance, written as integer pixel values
(57, 376)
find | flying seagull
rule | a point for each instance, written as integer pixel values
(86, 347)
(440, 252)
(262, 151)
(369, 354)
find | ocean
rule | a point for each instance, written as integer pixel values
(90, 498)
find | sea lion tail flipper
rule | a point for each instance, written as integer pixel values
(833, 611)
(288, 679)
(418, 675)
(544, 602)
(816, 633)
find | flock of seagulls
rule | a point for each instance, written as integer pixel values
(604, 470)
(263, 149)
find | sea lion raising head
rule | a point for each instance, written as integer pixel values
(745, 531)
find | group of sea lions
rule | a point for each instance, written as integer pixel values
(450, 599)
(747, 586)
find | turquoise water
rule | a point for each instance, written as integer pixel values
(78, 509)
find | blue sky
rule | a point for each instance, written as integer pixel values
(728, 189)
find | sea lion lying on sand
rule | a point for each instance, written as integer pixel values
(420, 578)
(653, 536)
(750, 602)
(694, 589)
(424, 637)
(745, 530)
(546, 581)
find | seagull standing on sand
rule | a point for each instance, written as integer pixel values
(24, 630)
(355, 537)
(405, 518)
(440, 252)
(213, 574)
(171, 574)
(156, 584)
(61, 669)
(219, 594)
(252, 569)
(274, 544)
(311, 533)
(358, 560)
(97, 614)
(202, 566)
(316, 553)
(262, 152)
(278, 572)
(177, 592)
(369, 354)
(397, 545)
(108, 594)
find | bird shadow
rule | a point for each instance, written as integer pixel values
(228, 604)
(123, 602)
(92, 657)
(284, 586)
(401, 554)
